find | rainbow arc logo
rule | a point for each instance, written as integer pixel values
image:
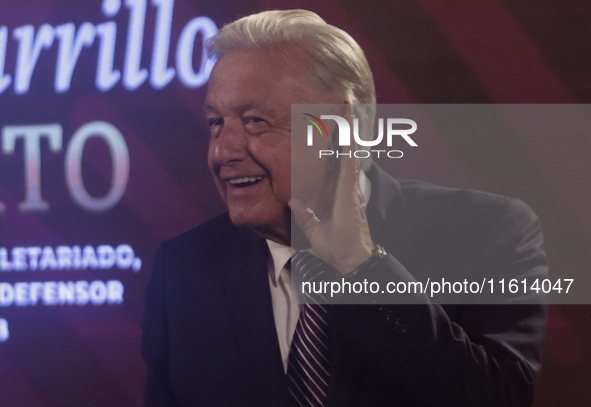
(316, 124)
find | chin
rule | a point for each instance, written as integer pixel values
(264, 223)
(248, 219)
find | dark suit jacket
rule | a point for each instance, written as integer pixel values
(209, 333)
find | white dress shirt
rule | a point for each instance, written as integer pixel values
(286, 311)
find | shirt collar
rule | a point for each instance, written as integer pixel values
(280, 254)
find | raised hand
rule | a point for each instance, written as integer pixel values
(341, 238)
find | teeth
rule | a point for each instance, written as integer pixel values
(235, 181)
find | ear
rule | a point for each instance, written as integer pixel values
(345, 110)
(348, 111)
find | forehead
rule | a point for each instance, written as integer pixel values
(255, 77)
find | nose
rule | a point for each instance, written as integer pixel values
(230, 145)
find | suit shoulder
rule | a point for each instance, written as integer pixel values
(463, 202)
(480, 228)
(207, 234)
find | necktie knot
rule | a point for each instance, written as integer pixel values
(308, 275)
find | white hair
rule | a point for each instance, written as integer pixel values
(335, 63)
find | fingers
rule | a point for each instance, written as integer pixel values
(349, 174)
(304, 216)
(348, 188)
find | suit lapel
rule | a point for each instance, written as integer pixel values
(347, 370)
(248, 294)
(386, 211)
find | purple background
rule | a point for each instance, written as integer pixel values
(421, 51)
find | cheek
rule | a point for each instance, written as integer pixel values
(279, 167)
(280, 175)
(284, 183)
(272, 152)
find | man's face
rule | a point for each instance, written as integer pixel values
(248, 107)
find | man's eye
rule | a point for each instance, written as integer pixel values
(215, 125)
(253, 120)
(255, 125)
(215, 121)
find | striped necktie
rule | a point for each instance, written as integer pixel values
(309, 357)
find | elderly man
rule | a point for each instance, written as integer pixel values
(221, 328)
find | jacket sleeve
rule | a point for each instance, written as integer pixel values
(158, 391)
(467, 355)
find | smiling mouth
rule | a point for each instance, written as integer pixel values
(245, 181)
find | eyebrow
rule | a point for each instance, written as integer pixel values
(209, 108)
(240, 108)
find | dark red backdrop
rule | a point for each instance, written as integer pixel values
(421, 51)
